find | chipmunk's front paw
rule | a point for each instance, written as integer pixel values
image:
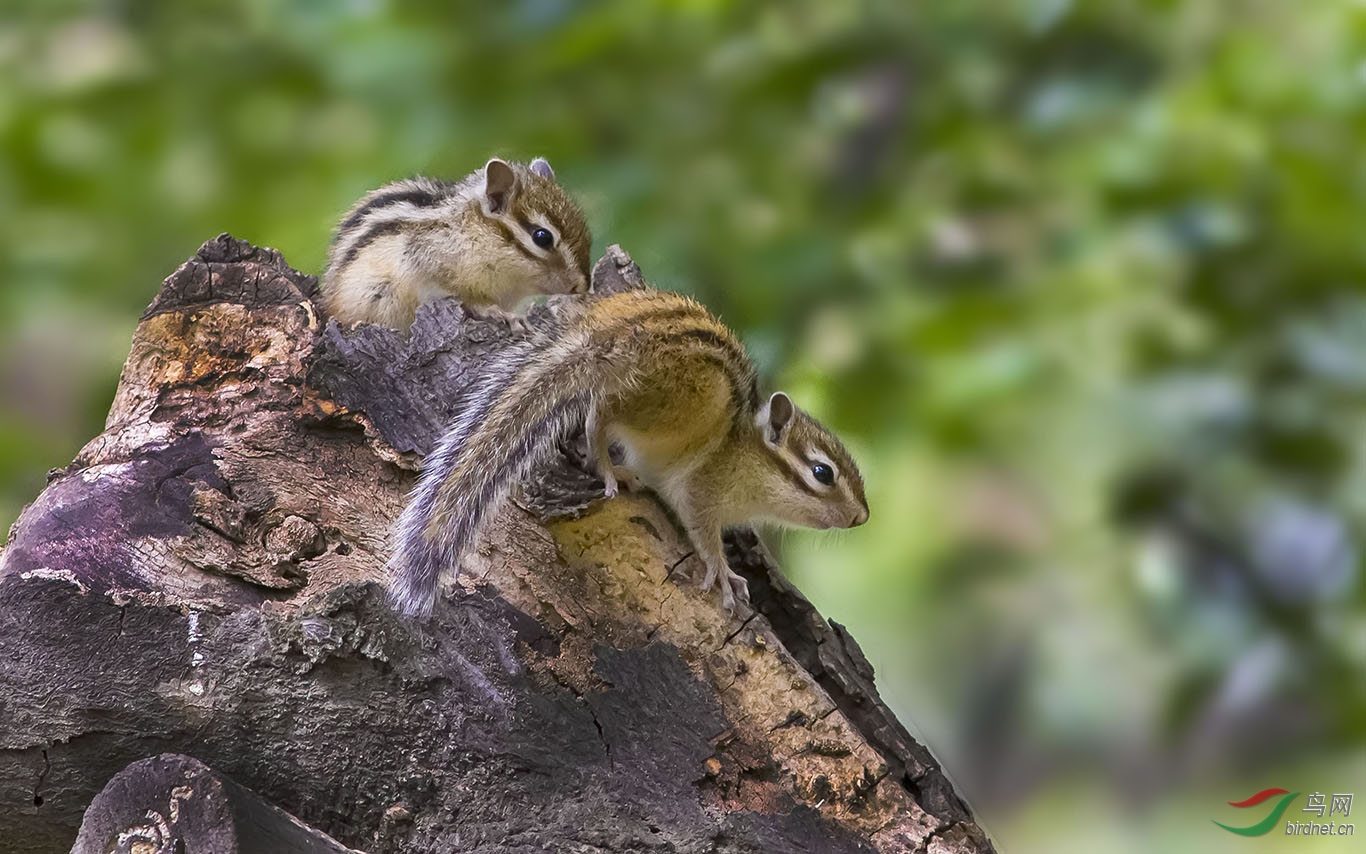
(617, 479)
(609, 484)
(734, 588)
(516, 323)
(738, 589)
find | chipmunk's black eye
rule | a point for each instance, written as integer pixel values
(542, 238)
(823, 473)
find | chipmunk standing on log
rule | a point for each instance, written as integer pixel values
(657, 373)
(501, 235)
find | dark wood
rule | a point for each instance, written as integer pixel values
(205, 578)
(172, 804)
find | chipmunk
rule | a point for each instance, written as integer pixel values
(499, 236)
(657, 373)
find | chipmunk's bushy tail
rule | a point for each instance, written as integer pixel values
(528, 400)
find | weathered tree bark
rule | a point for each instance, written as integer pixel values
(174, 803)
(205, 579)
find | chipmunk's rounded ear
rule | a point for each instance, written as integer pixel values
(500, 182)
(541, 167)
(776, 416)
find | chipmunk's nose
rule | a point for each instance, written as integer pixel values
(859, 518)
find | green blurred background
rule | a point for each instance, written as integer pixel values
(1083, 285)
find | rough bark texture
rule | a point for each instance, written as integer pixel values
(205, 578)
(174, 803)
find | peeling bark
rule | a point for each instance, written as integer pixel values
(205, 579)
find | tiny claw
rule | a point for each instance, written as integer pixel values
(707, 580)
(738, 587)
(734, 588)
(516, 323)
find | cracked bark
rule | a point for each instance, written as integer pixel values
(204, 579)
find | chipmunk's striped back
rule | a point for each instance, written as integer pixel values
(653, 370)
(528, 400)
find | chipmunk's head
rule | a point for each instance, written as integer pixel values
(544, 233)
(806, 476)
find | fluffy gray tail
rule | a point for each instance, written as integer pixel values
(513, 418)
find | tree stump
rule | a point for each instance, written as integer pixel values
(206, 579)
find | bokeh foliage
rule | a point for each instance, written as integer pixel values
(1084, 285)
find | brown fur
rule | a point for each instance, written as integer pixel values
(660, 375)
(420, 238)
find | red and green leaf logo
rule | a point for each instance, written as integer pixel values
(1267, 823)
